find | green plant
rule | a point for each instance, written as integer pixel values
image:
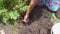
(10, 15)
(11, 9)
(14, 32)
(53, 18)
(1, 3)
(21, 5)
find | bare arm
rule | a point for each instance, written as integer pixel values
(31, 6)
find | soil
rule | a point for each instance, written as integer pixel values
(39, 23)
(58, 14)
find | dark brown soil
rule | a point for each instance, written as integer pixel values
(39, 22)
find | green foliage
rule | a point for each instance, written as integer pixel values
(14, 32)
(10, 9)
(54, 18)
(1, 3)
(10, 15)
(24, 8)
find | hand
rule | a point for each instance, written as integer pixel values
(26, 19)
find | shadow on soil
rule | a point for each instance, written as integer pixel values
(39, 21)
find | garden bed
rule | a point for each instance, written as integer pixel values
(40, 23)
